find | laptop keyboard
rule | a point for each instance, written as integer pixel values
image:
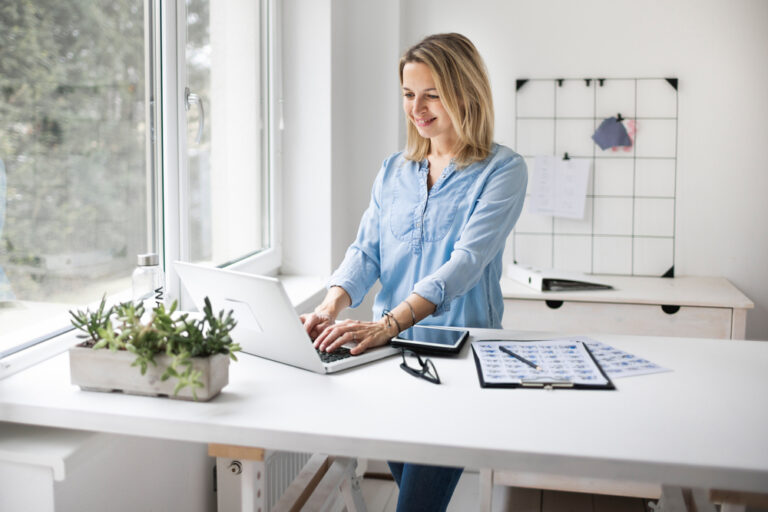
(338, 354)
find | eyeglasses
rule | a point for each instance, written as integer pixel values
(426, 369)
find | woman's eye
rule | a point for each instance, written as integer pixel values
(433, 96)
(408, 94)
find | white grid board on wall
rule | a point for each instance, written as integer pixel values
(629, 221)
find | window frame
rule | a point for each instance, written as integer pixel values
(42, 343)
(166, 162)
(174, 182)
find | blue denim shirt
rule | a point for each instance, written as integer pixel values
(445, 243)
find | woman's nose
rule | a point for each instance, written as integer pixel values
(419, 105)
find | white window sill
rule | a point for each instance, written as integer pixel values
(305, 293)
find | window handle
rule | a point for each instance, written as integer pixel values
(190, 99)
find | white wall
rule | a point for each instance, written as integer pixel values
(341, 116)
(305, 177)
(365, 96)
(719, 52)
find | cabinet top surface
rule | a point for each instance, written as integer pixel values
(679, 291)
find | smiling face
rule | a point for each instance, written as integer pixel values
(422, 106)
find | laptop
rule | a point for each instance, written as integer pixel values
(267, 323)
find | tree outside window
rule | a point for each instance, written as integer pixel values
(72, 140)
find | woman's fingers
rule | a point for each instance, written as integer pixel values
(328, 333)
(336, 335)
(341, 340)
(326, 337)
(321, 338)
(309, 321)
(315, 323)
(365, 334)
(320, 327)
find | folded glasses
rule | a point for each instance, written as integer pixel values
(418, 367)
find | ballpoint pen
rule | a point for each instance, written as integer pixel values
(520, 358)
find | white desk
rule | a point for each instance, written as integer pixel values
(693, 427)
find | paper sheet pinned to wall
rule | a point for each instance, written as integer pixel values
(559, 187)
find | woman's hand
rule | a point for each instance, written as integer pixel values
(316, 322)
(325, 314)
(365, 334)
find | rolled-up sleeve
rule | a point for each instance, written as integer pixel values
(495, 213)
(361, 266)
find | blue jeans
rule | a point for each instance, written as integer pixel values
(424, 488)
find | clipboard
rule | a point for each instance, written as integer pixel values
(565, 363)
(551, 280)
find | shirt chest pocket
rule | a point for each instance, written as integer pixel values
(430, 219)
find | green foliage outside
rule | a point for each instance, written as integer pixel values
(72, 137)
(179, 336)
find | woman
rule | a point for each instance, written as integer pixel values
(435, 228)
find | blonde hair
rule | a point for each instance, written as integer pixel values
(462, 83)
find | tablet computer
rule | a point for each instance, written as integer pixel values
(431, 339)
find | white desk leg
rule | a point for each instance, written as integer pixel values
(326, 484)
(337, 483)
(252, 496)
(673, 499)
(240, 474)
(353, 496)
(486, 490)
(240, 485)
(701, 503)
(727, 507)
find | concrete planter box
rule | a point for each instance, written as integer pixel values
(104, 370)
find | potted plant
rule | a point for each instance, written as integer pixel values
(178, 355)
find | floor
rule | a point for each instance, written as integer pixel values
(381, 496)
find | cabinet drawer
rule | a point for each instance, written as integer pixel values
(641, 319)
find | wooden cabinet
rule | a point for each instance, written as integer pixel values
(700, 307)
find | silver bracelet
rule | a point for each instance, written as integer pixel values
(387, 313)
(413, 313)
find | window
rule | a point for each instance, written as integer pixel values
(73, 179)
(120, 136)
(226, 133)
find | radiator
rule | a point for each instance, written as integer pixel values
(268, 480)
(282, 468)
